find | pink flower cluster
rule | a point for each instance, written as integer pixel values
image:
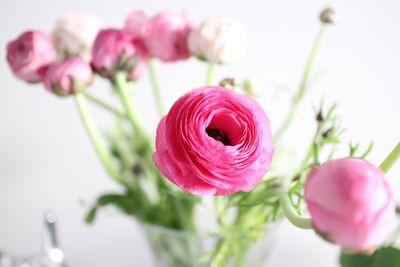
(213, 141)
(32, 55)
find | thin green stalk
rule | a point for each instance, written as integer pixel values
(291, 214)
(156, 89)
(120, 85)
(391, 159)
(211, 73)
(95, 137)
(94, 99)
(302, 87)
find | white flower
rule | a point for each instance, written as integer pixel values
(219, 40)
(74, 35)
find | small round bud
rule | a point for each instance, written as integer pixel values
(230, 83)
(328, 16)
(255, 86)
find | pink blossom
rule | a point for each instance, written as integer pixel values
(27, 54)
(351, 203)
(135, 24)
(166, 36)
(214, 141)
(114, 50)
(63, 78)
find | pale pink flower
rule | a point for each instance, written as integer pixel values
(114, 50)
(214, 141)
(30, 52)
(74, 35)
(166, 36)
(350, 203)
(68, 77)
(219, 40)
(135, 24)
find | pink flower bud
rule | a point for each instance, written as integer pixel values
(166, 36)
(68, 77)
(350, 203)
(135, 24)
(113, 51)
(214, 141)
(28, 53)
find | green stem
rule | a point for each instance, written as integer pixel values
(120, 85)
(302, 87)
(95, 137)
(104, 105)
(156, 89)
(291, 214)
(391, 159)
(211, 73)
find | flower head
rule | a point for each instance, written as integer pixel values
(68, 77)
(30, 52)
(328, 16)
(74, 35)
(214, 141)
(219, 40)
(114, 50)
(351, 203)
(135, 24)
(166, 36)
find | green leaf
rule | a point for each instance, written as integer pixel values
(383, 257)
(91, 215)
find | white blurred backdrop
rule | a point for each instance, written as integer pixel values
(47, 162)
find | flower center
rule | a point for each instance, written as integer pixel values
(219, 136)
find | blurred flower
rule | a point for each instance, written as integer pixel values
(114, 50)
(166, 36)
(27, 54)
(230, 83)
(350, 203)
(255, 86)
(68, 77)
(74, 35)
(328, 16)
(135, 24)
(219, 40)
(214, 142)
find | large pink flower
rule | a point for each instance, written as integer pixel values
(27, 54)
(214, 142)
(166, 36)
(351, 203)
(114, 50)
(60, 78)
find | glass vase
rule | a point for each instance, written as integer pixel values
(174, 248)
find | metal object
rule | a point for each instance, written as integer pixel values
(50, 256)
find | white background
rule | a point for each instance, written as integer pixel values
(46, 161)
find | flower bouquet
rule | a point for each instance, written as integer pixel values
(214, 148)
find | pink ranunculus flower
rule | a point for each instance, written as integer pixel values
(135, 24)
(214, 141)
(114, 50)
(166, 36)
(350, 203)
(68, 77)
(30, 52)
